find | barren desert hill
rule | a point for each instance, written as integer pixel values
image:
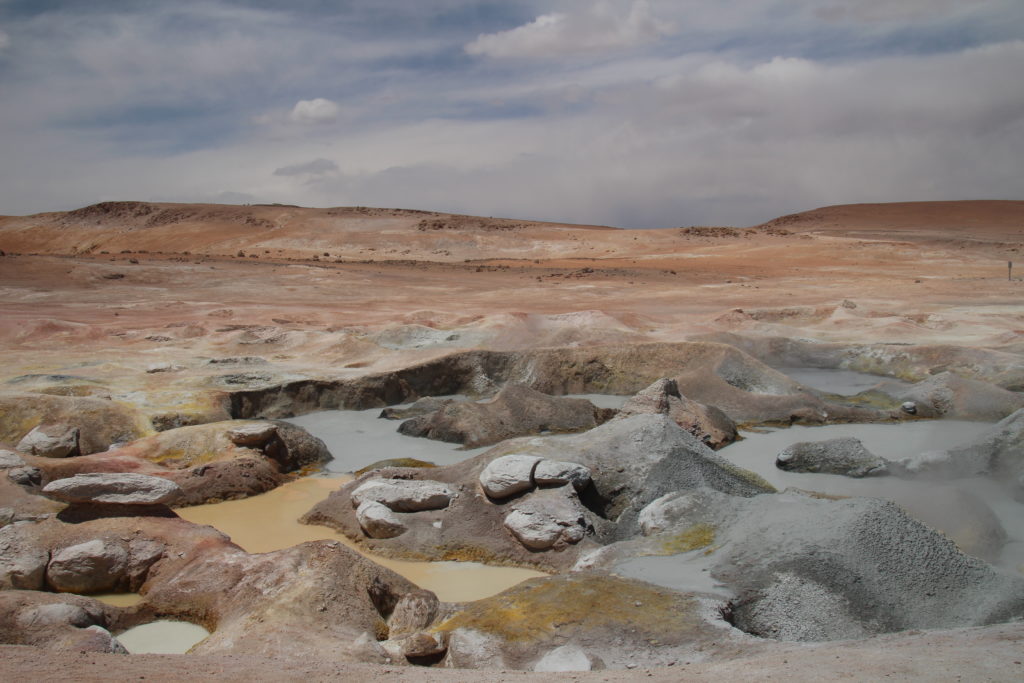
(274, 230)
(277, 231)
(975, 219)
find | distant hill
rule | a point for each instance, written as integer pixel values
(992, 219)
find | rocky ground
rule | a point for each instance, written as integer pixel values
(161, 340)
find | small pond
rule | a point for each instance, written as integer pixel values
(843, 382)
(163, 637)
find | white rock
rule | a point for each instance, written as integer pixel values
(565, 658)
(508, 475)
(550, 472)
(255, 434)
(9, 459)
(405, 495)
(50, 441)
(88, 567)
(548, 519)
(22, 565)
(126, 488)
(378, 521)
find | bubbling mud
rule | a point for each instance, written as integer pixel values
(269, 522)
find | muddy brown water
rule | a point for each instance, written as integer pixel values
(269, 522)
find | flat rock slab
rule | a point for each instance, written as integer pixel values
(117, 489)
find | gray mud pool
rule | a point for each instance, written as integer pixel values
(843, 382)
(357, 438)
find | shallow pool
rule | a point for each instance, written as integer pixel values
(843, 382)
(269, 522)
(164, 637)
(357, 438)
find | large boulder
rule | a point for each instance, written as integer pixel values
(22, 562)
(516, 410)
(952, 396)
(509, 475)
(378, 521)
(10, 459)
(51, 441)
(114, 489)
(91, 567)
(707, 423)
(846, 456)
(552, 518)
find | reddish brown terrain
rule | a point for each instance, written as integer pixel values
(132, 301)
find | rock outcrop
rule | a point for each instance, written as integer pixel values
(51, 441)
(210, 462)
(709, 424)
(100, 422)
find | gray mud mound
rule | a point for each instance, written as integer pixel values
(515, 411)
(805, 568)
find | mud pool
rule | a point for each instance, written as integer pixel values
(929, 500)
(270, 522)
(163, 637)
(842, 382)
(357, 438)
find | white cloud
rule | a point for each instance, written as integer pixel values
(5, 40)
(316, 167)
(597, 28)
(318, 110)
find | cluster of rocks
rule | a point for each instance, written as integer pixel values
(209, 462)
(531, 501)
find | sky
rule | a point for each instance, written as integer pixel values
(633, 113)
